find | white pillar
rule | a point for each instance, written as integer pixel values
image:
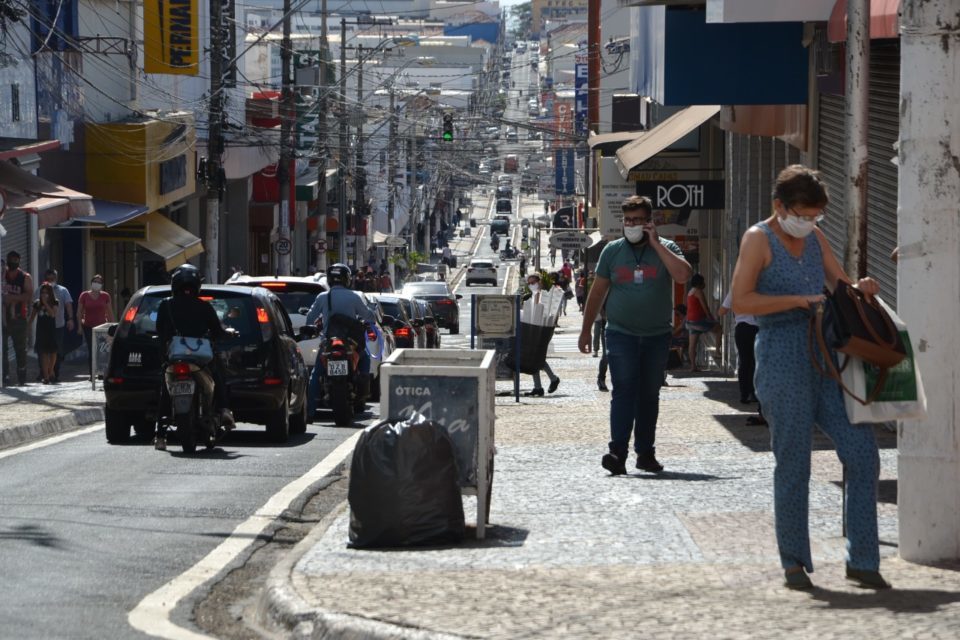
(929, 275)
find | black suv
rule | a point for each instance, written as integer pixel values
(441, 299)
(263, 368)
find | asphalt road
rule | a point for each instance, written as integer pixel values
(90, 529)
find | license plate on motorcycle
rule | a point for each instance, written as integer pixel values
(183, 388)
(337, 368)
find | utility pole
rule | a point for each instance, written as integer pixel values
(360, 174)
(857, 102)
(285, 172)
(323, 150)
(927, 270)
(392, 167)
(214, 143)
(342, 155)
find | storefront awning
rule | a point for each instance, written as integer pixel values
(385, 240)
(884, 20)
(768, 10)
(107, 213)
(596, 139)
(51, 202)
(662, 136)
(168, 240)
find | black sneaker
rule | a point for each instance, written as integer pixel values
(602, 386)
(647, 462)
(616, 465)
(553, 385)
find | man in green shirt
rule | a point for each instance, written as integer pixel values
(635, 277)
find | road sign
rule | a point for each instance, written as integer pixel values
(282, 246)
(570, 240)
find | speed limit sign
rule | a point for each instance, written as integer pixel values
(282, 246)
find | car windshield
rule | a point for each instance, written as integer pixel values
(293, 295)
(482, 265)
(426, 288)
(234, 310)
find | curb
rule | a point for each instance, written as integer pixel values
(75, 419)
(280, 604)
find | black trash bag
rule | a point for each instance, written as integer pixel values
(534, 342)
(404, 488)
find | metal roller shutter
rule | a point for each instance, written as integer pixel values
(17, 224)
(830, 163)
(882, 173)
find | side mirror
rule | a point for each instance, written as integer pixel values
(459, 296)
(308, 331)
(112, 331)
(399, 324)
(303, 310)
(430, 320)
(417, 323)
(388, 320)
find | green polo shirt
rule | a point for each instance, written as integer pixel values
(638, 305)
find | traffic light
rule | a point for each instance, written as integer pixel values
(448, 127)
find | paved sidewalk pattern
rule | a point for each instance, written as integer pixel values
(37, 410)
(573, 552)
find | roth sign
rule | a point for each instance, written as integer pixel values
(694, 194)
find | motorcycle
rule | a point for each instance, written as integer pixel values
(495, 243)
(189, 385)
(510, 253)
(342, 387)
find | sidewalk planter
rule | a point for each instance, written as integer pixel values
(534, 342)
(456, 389)
(102, 341)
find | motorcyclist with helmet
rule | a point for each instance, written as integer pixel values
(494, 241)
(339, 300)
(185, 314)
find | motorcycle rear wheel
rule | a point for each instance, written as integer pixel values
(341, 405)
(187, 429)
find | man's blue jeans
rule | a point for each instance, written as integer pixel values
(636, 371)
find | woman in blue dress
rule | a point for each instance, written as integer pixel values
(784, 264)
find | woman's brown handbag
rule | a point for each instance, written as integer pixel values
(854, 324)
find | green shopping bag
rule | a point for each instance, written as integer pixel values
(900, 398)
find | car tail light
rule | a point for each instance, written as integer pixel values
(273, 382)
(371, 335)
(262, 316)
(181, 370)
(402, 332)
(273, 285)
(206, 298)
(115, 380)
(443, 301)
(130, 314)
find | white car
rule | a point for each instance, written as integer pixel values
(481, 271)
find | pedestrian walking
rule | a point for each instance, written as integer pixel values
(700, 319)
(581, 289)
(45, 311)
(784, 263)
(533, 290)
(600, 346)
(17, 296)
(64, 319)
(93, 309)
(635, 276)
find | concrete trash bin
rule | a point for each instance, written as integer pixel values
(457, 389)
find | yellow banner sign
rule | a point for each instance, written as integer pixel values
(171, 41)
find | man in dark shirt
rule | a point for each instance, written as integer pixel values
(186, 315)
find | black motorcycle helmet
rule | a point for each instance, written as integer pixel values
(339, 274)
(185, 280)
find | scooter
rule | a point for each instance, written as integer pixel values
(343, 389)
(189, 386)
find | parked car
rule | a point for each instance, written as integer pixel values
(401, 321)
(297, 295)
(430, 326)
(419, 319)
(380, 344)
(263, 369)
(481, 271)
(441, 299)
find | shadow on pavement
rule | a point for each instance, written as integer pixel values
(679, 475)
(894, 600)
(757, 437)
(495, 536)
(32, 534)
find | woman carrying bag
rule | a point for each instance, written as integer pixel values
(784, 263)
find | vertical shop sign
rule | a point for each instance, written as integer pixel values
(170, 37)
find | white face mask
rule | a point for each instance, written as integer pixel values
(796, 226)
(95, 286)
(634, 234)
(533, 288)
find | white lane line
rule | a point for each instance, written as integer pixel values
(49, 441)
(151, 616)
